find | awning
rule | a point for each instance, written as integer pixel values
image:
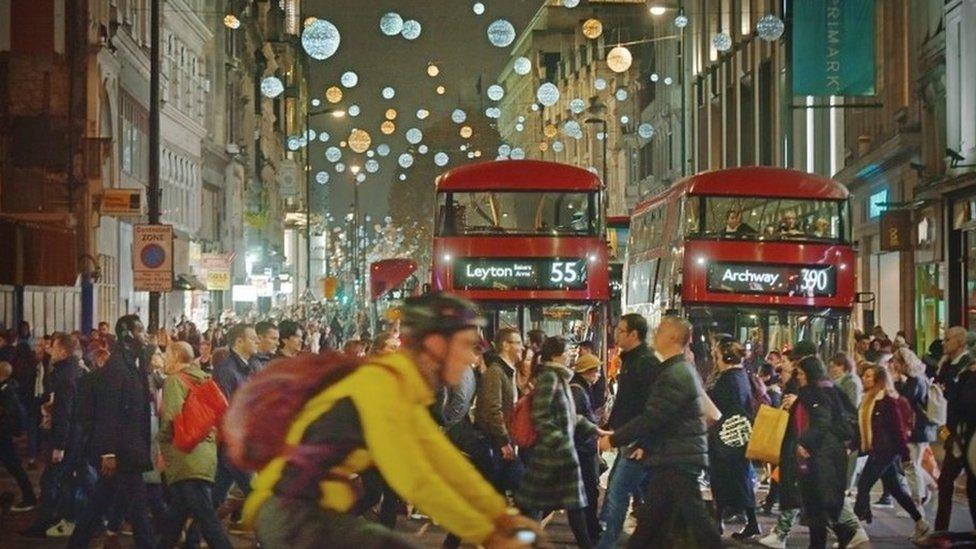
(187, 282)
(38, 254)
(388, 274)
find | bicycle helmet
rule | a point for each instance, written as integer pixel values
(439, 314)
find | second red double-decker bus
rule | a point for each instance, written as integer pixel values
(761, 253)
(523, 239)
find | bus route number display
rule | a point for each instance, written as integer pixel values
(520, 274)
(788, 280)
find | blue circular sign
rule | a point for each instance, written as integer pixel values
(153, 256)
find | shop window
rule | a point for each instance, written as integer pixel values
(877, 203)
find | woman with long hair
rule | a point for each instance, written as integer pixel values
(730, 472)
(884, 438)
(553, 479)
(913, 386)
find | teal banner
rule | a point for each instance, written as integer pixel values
(833, 47)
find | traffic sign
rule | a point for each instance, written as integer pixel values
(152, 258)
(121, 202)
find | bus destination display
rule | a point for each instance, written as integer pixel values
(520, 274)
(789, 280)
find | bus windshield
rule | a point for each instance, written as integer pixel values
(516, 213)
(748, 218)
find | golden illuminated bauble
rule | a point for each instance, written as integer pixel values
(309, 20)
(387, 127)
(550, 131)
(359, 140)
(333, 94)
(477, 154)
(432, 70)
(441, 90)
(343, 144)
(592, 28)
(619, 59)
(466, 131)
(543, 146)
(391, 114)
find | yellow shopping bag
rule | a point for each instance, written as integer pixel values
(768, 431)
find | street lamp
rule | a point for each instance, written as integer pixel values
(597, 110)
(336, 113)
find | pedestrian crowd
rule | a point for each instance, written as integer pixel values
(297, 434)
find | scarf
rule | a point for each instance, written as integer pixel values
(864, 420)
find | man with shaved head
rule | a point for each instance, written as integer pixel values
(672, 428)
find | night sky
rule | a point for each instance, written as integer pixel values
(453, 37)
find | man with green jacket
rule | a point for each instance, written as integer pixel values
(190, 476)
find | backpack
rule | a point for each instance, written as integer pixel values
(255, 427)
(203, 408)
(520, 426)
(936, 406)
(759, 394)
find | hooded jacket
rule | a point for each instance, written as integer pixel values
(201, 462)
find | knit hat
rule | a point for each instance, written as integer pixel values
(586, 363)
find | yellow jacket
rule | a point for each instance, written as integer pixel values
(403, 442)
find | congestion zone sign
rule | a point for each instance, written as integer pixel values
(152, 258)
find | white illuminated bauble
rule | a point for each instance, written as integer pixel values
(340, 167)
(496, 92)
(349, 79)
(310, 135)
(769, 27)
(360, 177)
(402, 177)
(422, 114)
(722, 41)
(411, 30)
(470, 154)
(271, 87)
(570, 3)
(422, 149)
(388, 92)
(522, 66)
(577, 106)
(519, 127)
(600, 136)
(681, 21)
(323, 137)
(645, 130)
(621, 94)
(600, 84)
(333, 154)
(571, 128)
(504, 150)
(547, 94)
(294, 143)
(414, 136)
(557, 146)
(322, 178)
(517, 154)
(383, 149)
(478, 8)
(654, 77)
(433, 70)
(521, 118)
(535, 107)
(501, 33)
(320, 39)
(668, 81)
(458, 116)
(353, 110)
(316, 102)
(493, 112)
(625, 120)
(619, 59)
(405, 160)
(391, 24)
(441, 159)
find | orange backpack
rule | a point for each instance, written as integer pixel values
(203, 408)
(520, 426)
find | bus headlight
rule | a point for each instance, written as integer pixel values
(447, 258)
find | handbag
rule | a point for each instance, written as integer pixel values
(202, 410)
(768, 431)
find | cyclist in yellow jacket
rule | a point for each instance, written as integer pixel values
(378, 417)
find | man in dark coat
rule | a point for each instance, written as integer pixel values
(497, 396)
(55, 482)
(120, 436)
(955, 366)
(12, 417)
(675, 448)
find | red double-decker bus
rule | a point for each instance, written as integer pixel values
(524, 239)
(761, 253)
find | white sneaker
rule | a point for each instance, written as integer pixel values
(62, 529)
(859, 538)
(922, 529)
(23, 507)
(774, 541)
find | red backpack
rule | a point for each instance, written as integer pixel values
(520, 426)
(203, 408)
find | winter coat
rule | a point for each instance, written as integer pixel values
(851, 386)
(201, 462)
(231, 373)
(64, 385)
(730, 471)
(673, 420)
(916, 392)
(888, 434)
(496, 401)
(636, 370)
(586, 444)
(553, 479)
(121, 422)
(822, 478)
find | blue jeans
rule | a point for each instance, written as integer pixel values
(127, 485)
(228, 475)
(625, 477)
(192, 499)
